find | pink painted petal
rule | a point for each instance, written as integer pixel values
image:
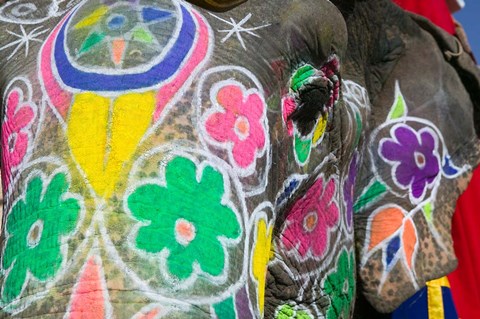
(253, 107)
(257, 134)
(244, 152)
(12, 103)
(319, 243)
(332, 215)
(328, 194)
(22, 118)
(219, 126)
(289, 239)
(305, 244)
(18, 153)
(288, 107)
(230, 97)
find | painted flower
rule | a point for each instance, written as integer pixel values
(310, 220)
(240, 123)
(36, 227)
(289, 312)
(15, 133)
(414, 157)
(261, 255)
(340, 287)
(187, 217)
(393, 231)
(348, 189)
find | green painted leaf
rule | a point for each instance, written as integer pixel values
(302, 149)
(92, 40)
(399, 107)
(143, 35)
(225, 309)
(428, 211)
(371, 195)
(301, 76)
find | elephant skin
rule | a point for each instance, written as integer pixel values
(160, 160)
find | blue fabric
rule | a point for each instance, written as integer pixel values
(448, 305)
(416, 307)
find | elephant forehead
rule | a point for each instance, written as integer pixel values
(148, 147)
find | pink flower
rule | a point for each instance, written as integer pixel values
(15, 134)
(241, 123)
(310, 220)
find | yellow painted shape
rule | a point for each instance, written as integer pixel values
(103, 136)
(320, 129)
(261, 255)
(435, 297)
(92, 18)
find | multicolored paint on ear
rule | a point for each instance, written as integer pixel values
(409, 162)
(308, 107)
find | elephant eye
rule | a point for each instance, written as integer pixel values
(314, 92)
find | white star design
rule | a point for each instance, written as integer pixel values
(237, 29)
(23, 40)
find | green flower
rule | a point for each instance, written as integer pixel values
(288, 312)
(340, 287)
(187, 217)
(36, 226)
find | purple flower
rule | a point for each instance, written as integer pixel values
(414, 158)
(348, 188)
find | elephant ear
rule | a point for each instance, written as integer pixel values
(418, 160)
(217, 5)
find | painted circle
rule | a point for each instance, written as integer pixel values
(100, 24)
(23, 10)
(242, 128)
(420, 159)
(310, 222)
(35, 234)
(185, 232)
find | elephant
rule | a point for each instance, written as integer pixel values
(298, 151)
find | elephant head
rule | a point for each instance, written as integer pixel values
(162, 160)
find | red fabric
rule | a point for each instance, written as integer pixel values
(435, 10)
(465, 280)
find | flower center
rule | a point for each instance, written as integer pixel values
(419, 159)
(12, 140)
(242, 128)
(310, 222)
(185, 232)
(35, 234)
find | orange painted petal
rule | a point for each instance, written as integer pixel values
(384, 224)
(88, 298)
(409, 240)
(118, 50)
(151, 315)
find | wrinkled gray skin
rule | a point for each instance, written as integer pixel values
(202, 255)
